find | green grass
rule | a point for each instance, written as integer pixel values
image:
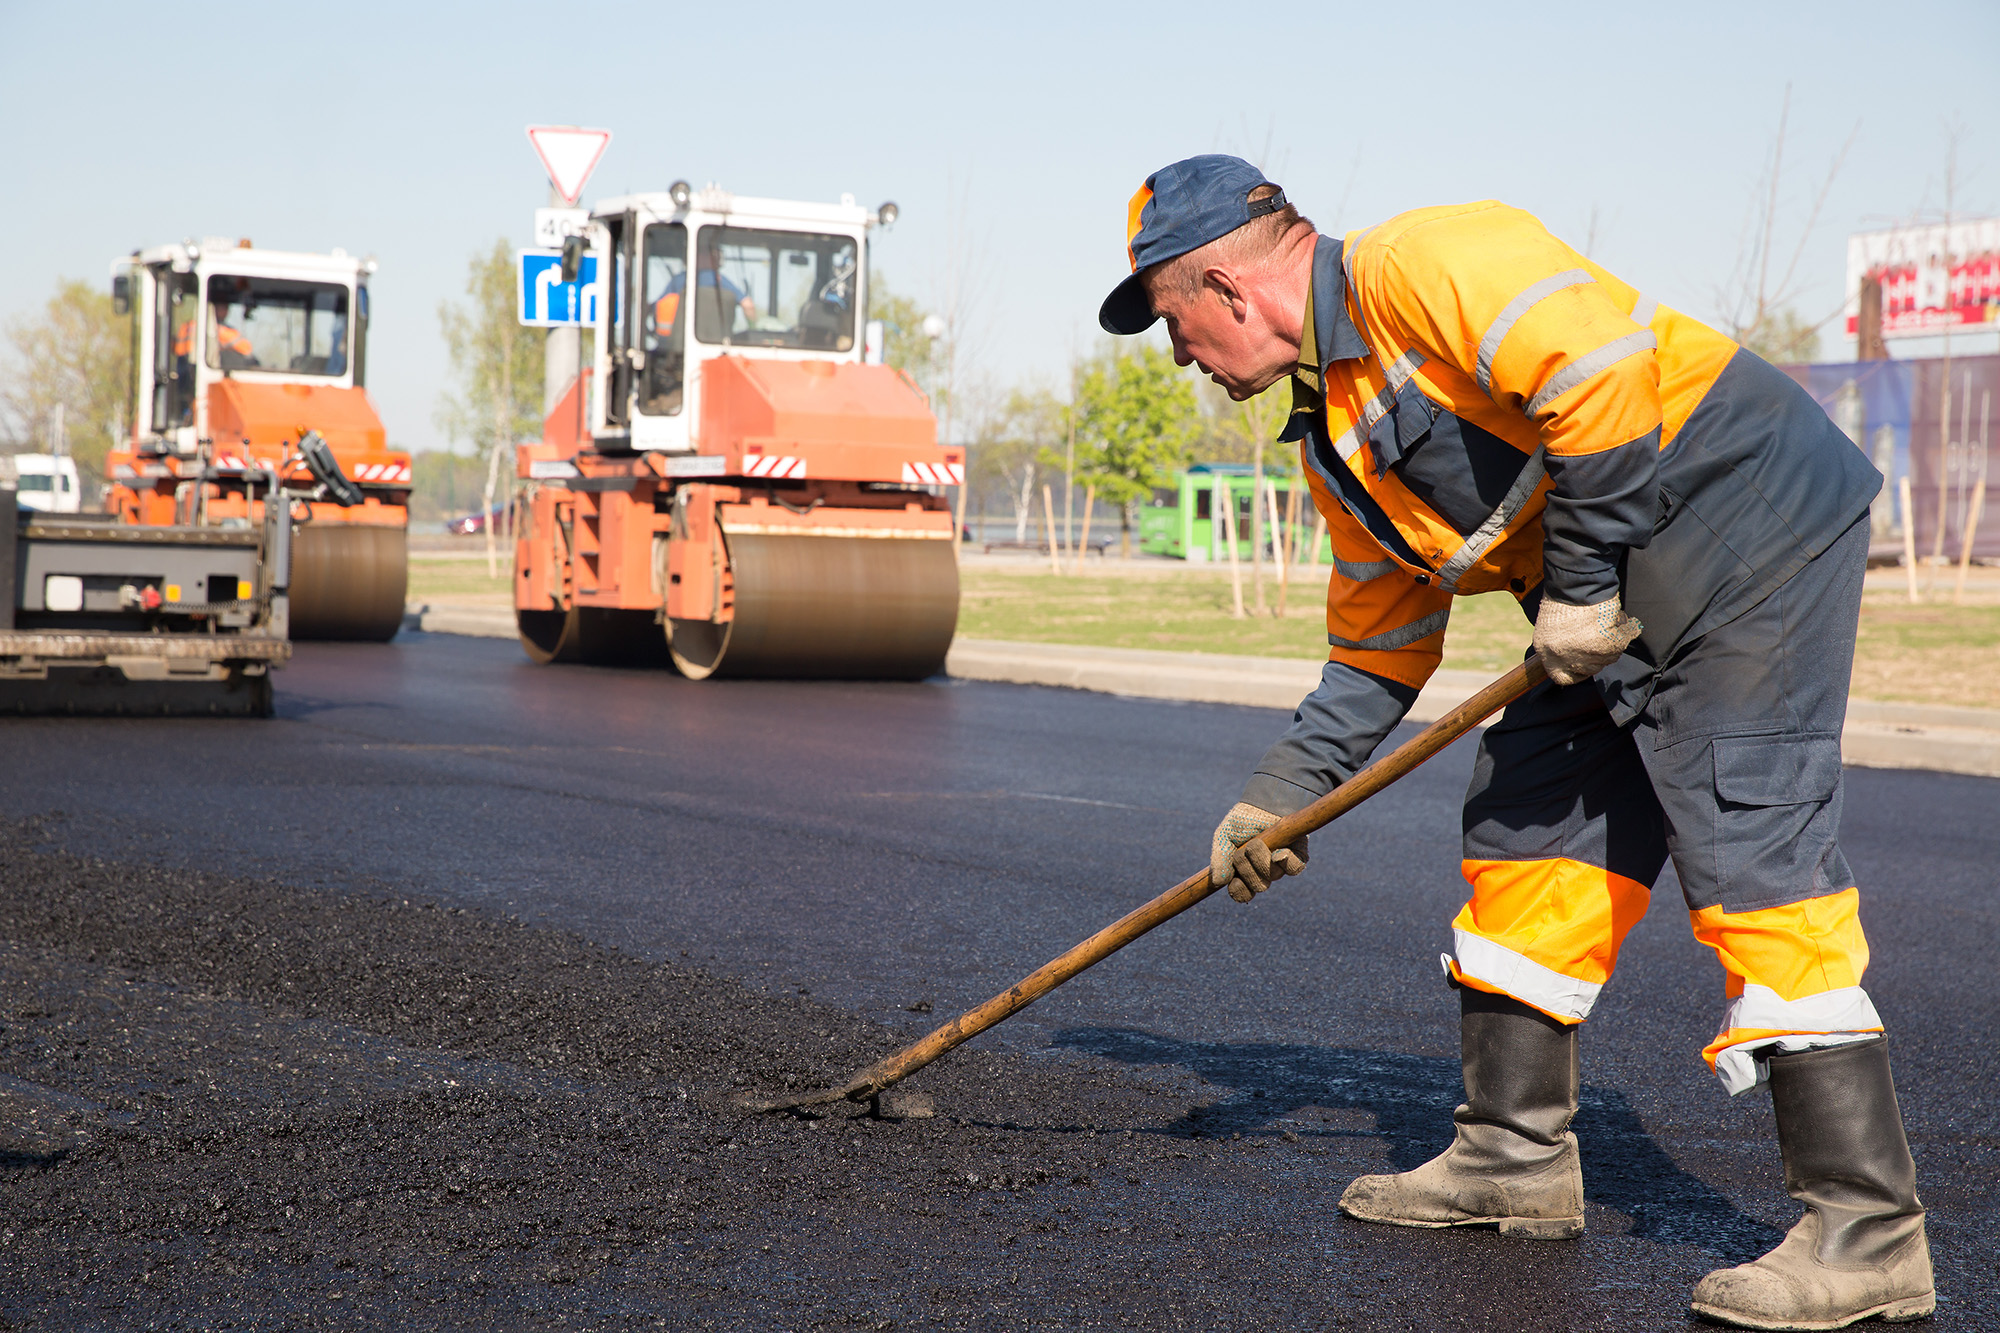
(460, 578)
(1189, 611)
(1927, 654)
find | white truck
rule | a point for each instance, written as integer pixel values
(47, 482)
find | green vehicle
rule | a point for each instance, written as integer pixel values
(1186, 520)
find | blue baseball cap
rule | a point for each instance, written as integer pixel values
(1181, 208)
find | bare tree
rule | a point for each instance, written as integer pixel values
(1012, 444)
(1758, 303)
(962, 284)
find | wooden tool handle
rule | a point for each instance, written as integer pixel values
(1399, 762)
(1176, 900)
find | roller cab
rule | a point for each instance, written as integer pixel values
(240, 355)
(732, 486)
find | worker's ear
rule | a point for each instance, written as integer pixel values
(1227, 288)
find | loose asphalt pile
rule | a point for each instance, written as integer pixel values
(228, 1103)
(238, 1104)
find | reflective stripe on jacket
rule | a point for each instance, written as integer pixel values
(1501, 413)
(1499, 421)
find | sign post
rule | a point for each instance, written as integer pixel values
(569, 153)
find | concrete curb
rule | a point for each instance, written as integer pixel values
(1878, 735)
(1216, 678)
(483, 622)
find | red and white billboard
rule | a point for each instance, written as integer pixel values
(1934, 277)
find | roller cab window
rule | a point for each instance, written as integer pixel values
(663, 313)
(176, 307)
(775, 289)
(297, 328)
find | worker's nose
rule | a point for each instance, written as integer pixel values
(1182, 357)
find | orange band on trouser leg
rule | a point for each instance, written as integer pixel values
(1794, 982)
(1545, 932)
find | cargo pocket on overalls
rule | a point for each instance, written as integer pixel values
(1777, 815)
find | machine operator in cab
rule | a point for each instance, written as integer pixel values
(1479, 407)
(232, 348)
(708, 273)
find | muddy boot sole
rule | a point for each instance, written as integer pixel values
(1520, 1228)
(1889, 1312)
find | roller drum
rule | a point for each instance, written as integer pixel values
(592, 634)
(828, 608)
(349, 581)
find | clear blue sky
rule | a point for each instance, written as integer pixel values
(396, 130)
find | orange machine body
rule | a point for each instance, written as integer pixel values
(812, 448)
(253, 428)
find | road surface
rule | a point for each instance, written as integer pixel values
(406, 1008)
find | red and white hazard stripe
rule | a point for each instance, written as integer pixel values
(935, 474)
(775, 466)
(380, 472)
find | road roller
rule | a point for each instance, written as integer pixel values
(734, 485)
(239, 356)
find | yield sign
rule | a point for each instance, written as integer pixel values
(568, 153)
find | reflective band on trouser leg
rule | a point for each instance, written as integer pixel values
(1794, 982)
(1545, 932)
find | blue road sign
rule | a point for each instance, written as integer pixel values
(546, 301)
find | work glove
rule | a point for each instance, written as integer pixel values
(1249, 870)
(1577, 642)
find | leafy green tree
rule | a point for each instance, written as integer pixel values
(76, 352)
(497, 363)
(906, 344)
(444, 485)
(1136, 421)
(1013, 445)
(1233, 432)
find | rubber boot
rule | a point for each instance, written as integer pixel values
(1860, 1249)
(1513, 1162)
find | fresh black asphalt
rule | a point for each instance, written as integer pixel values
(403, 1009)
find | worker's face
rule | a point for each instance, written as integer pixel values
(1225, 332)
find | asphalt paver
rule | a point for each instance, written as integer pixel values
(414, 1006)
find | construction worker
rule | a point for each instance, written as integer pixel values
(1480, 407)
(708, 266)
(232, 348)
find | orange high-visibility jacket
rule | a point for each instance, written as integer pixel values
(1501, 413)
(226, 339)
